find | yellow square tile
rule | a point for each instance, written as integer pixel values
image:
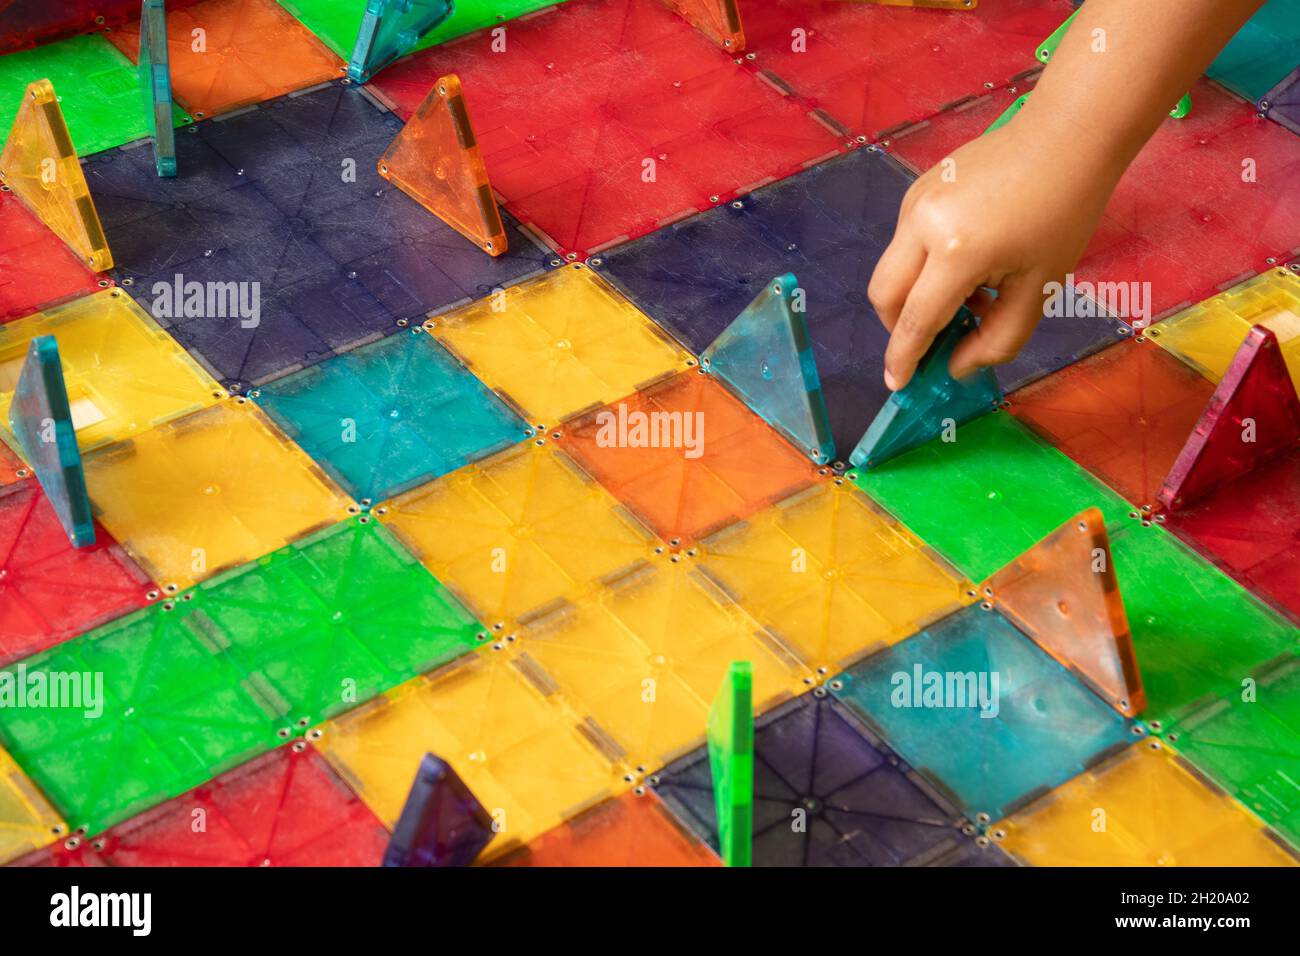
(524, 755)
(124, 374)
(645, 656)
(27, 821)
(558, 344)
(833, 576)
(1208, 334)
(517, 531)
(1145, 807)
(208, 492)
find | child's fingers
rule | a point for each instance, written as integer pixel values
(934, 299)
(894, 276)
(1003, 331)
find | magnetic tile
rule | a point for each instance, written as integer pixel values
(643, 658)
(442, 823)
(37, 269)
(1282, 103)
(1207, 335)
(517, 532)
(253, 51)
(1144, 807)
(336, 22)
(1248, 741)
(285, 201)
(1262, 52)
(828, 226)
(559, 344)
(531, 762)
(875, 67)
(630, 830)
(982, 500)
(831, 575)
(687, 457)
(1250, 528)
(928, 697)
(390, 415)
(826, 793)
(209, 491)
(1196, 638)
(51, 591)
(27, 821)
(1124, 414)
(124, 374)
(730, 745)
(924, 144)
(12, 470)
(719, 20)
(97, 88)
(389, 30)
(28, 23)
(599, 121)
(285, 808)
(153, 67)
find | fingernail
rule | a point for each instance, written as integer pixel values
(891, 383)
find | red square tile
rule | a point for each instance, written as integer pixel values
(1124, 414)
(687, 486)
(37, 269)
(49, 590)
(601, 119)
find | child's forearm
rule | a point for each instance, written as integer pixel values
(1121, 67)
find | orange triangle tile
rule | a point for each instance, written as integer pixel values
(436, 161)
(719, 20)
(1064, 594)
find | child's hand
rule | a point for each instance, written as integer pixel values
(1001, 212)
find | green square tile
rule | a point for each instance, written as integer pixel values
(98, 88)
(989, 495)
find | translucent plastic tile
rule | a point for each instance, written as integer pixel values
(51, 590)
(98, 91)
(156, 84)
(124, 375)
(1064, 593)
(1248, 741)
(826, 793)
(1254, 415)
(873, 67)
(1195, 639)
(643, 658)
(531, 763)
(731, 764)
(687, 457)
(337, 22)
(209, 491)
(28, 23)
(1123, 414)
(1250, 528)
(765, 356)
(719, 20)
(517, 532)
(40, 167)
(924, 144)
(285, 201)
(390, 29)
(37, 269)
(932, 405)
(252, 51)
(390, 415)
(601, 121)
(441, 824)
(1208, 335)
(436, 161)
(285, 808)
(27, 821)
(981, 711)
(40, 420)
(559, 344)
(831, 575)
(1145, 807)
(1282, 103)
(12, 470)
(984, 499)
(1262, 52)
(630, 830)
(828, 225)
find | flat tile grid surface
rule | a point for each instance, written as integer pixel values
(418, 499)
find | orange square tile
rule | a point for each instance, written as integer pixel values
(686, 457)
(1123, 414)
(251, 51)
